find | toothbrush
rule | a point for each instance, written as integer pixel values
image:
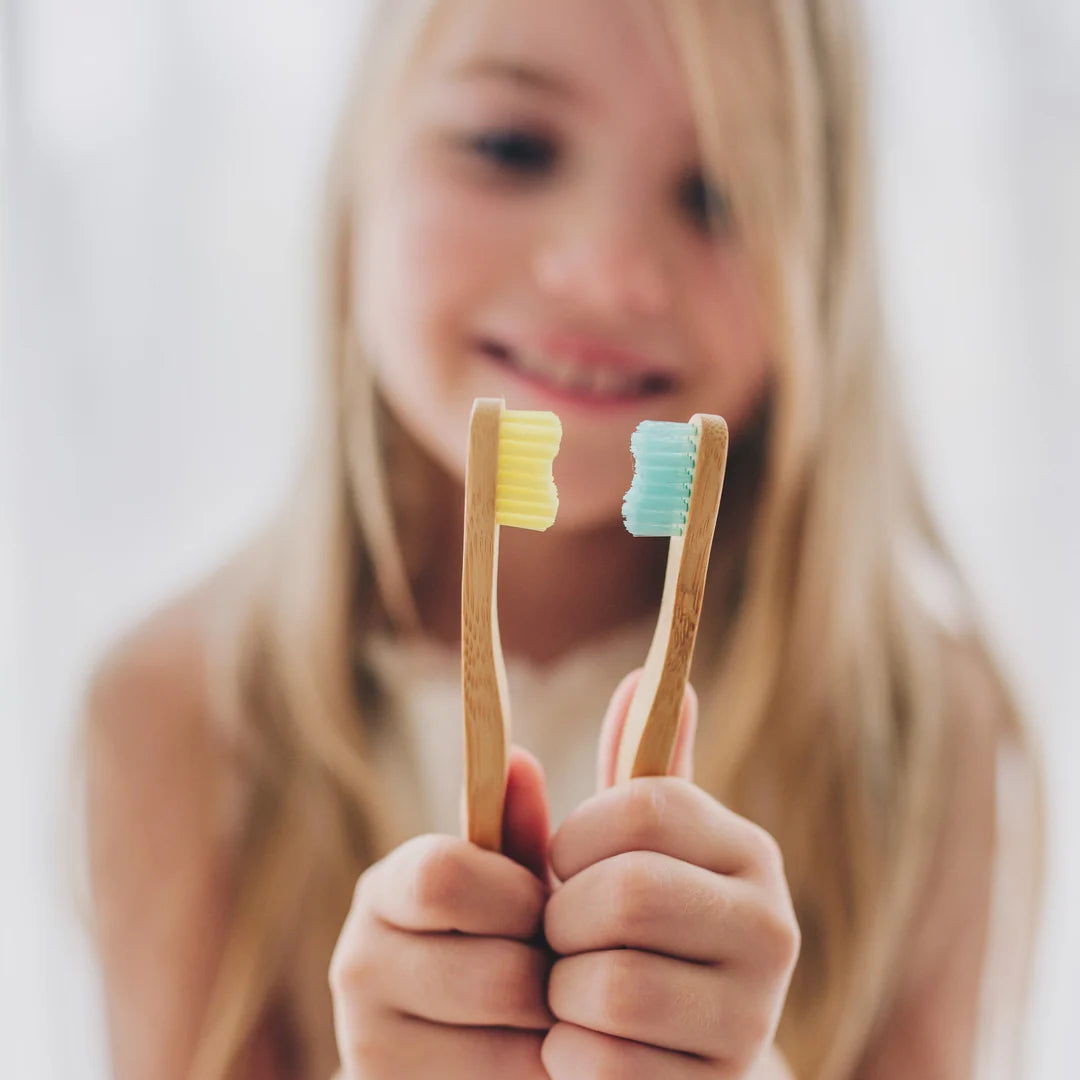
(507, 482)
(678, 477)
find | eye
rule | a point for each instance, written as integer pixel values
(516, 151)
(704, 203)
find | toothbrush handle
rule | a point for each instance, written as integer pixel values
(486, 714)
(652, 722)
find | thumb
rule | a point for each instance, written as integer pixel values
(526, 817)
(682, 755)
(526, 821)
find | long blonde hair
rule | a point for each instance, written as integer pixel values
(825, 696)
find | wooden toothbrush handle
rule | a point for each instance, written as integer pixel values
(652, 723)
(483, 677)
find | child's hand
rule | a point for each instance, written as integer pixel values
(674, 926)
(440, 969)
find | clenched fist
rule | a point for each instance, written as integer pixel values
(673, 928)
(653, 937)
(441, 969)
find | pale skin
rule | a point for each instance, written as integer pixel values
(571, 219)
(668, 940)
(668, 936)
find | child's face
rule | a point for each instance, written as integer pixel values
(535, 232)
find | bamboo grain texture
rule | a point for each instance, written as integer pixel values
(485, 701)
(649, 733)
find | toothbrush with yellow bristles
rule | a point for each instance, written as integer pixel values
(678, 477)
(508, 481)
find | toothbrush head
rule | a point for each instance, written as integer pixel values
(525, 494)
(665, 455)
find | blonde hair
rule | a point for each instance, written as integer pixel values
(831, 669)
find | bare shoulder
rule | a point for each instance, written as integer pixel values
(994, 767)
(150, 682)
(978, 702)
(932, 1029)
(161, 804)
(160, 787)
(148, 724)
(982, 731)
(977, 717)
(995, 810)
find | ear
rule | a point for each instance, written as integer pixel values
(682, 758)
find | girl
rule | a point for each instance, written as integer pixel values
(619, 209)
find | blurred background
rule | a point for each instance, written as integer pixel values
(161, 169)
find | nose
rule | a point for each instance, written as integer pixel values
(605, 259)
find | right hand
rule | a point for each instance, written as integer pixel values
(441, 964)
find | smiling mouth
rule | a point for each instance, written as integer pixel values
(588, 381)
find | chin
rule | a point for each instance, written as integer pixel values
(586, 515)
(588, 502)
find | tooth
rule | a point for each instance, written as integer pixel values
(566, 374)
(611, 383)
(590, 382)
(584, 380)
(548, 368)
(531, 364)
(540, 365)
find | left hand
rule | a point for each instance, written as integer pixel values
(673, 928)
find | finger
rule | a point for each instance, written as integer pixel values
(526, 818)
(682, 755)
(442, 883)
(469, 981)
(403, 1048)
(669, 815)
(667, 1003)
(611, 729)
(573, 1053)
(642, 900)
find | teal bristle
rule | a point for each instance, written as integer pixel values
(659, 496)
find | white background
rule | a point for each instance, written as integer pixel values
(160, 176)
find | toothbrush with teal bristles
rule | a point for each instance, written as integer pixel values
(678, 477)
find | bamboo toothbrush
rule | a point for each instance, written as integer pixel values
(507, 482)
(678, 477)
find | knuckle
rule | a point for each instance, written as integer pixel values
(365, 1037)
(637, 900)
(339, 973)
(727, 1069)
(361, 897)
(739, 1058)
(756, 1032)
(440, 878)
(756, 1025)
(611, 1061)
(767, 851)
(510, 984)
(363, 885)
(370, 1054)
(644, 814)
(779, 938)
(352, 960)
(746, 1032)
(794, 938)
(622, 999)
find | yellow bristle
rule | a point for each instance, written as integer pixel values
(525, 494)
